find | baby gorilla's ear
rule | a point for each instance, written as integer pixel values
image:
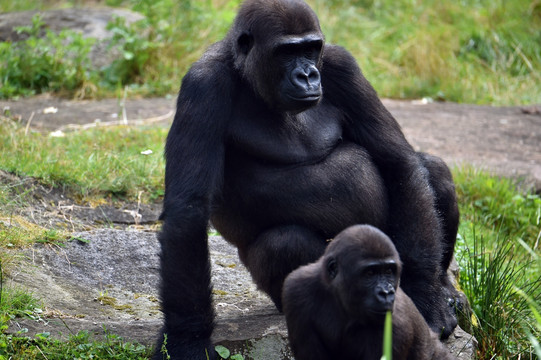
(332, 267)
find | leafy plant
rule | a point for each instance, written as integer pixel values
(56, 62)
(224, 353)
(136, 53)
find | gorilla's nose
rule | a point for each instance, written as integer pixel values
(385, 294)
(306, 77)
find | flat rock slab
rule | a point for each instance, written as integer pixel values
(107, 281)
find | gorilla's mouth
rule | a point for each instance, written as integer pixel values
(306, 98)
(377, 313)
(382, 309)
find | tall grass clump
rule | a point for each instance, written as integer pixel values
(498, 253)
(494, 278)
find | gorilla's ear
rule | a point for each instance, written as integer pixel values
(245, 42)
(332, 268)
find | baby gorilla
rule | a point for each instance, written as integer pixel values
(335, 308)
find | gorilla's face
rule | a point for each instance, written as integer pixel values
(280, 57)
(284, 72)
(298, 59)
(363, 270)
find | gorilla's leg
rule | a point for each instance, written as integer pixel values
(441, 180)
(277, 252)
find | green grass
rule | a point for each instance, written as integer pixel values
(17, 231)
(476, 51)
(79, 346)
(495, 205)
(493, 277)
(93, 162)
(22, 5)
(15, 302)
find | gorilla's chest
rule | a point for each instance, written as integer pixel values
(285, 139)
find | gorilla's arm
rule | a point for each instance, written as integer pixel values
(368, 122)
(413, 222)
(194, 154)
(313, 320)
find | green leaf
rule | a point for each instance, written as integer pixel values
(78, 238)
(388, 337)
(128, 55)
(222, 351)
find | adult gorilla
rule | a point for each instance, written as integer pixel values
(282, 143)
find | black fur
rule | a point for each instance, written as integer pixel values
(282, 143)
(335, 308)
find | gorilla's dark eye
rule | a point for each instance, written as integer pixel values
(245, 42)
(389, 271)
(369, 272)
(332, 268)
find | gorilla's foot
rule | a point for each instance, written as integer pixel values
(171, 348)
(449, 305)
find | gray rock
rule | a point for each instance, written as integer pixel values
(110, 281)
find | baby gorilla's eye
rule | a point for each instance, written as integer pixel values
(369, 272)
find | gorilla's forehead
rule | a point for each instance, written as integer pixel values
(354, 253)
(279, 18)
(368, 246)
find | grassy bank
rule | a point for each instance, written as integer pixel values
(476, 51)
(119, 162)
